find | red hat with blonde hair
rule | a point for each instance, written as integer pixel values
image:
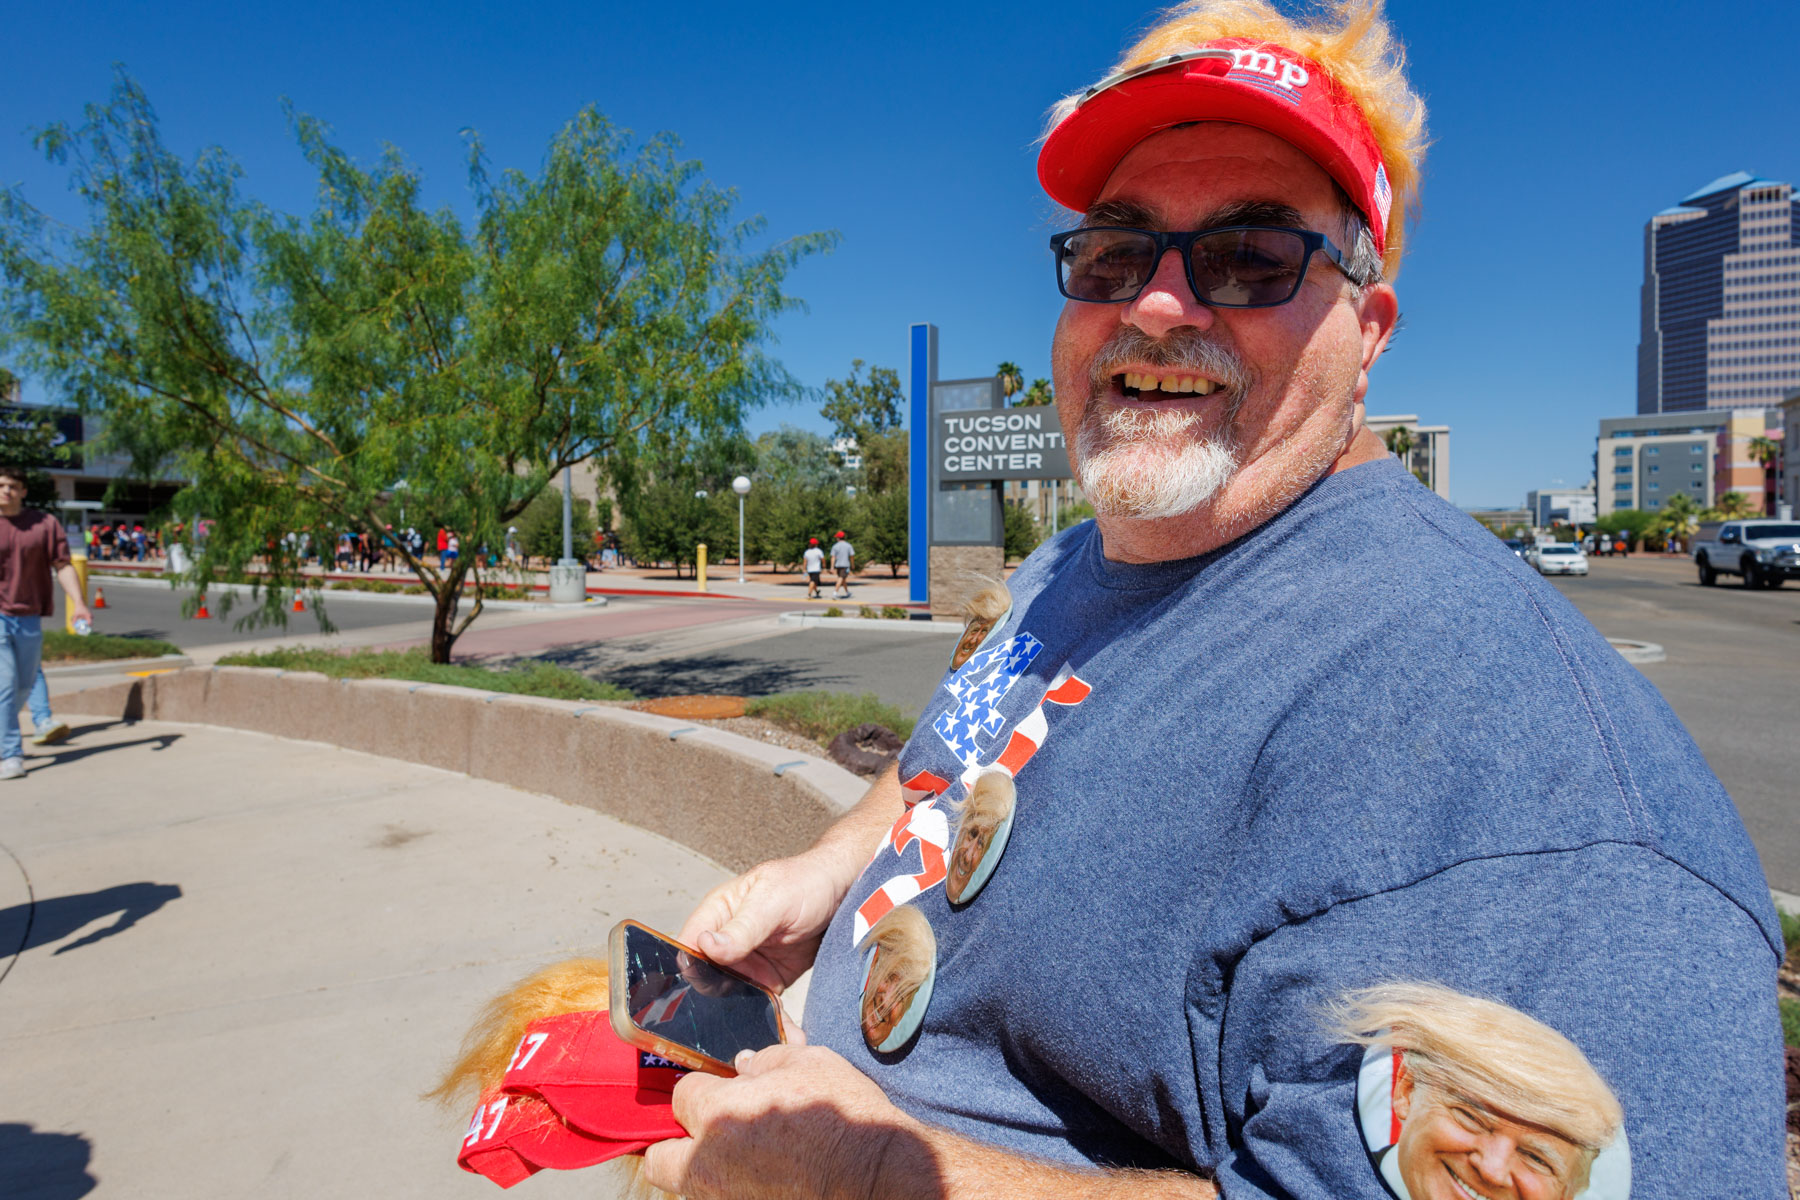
(1237, 80)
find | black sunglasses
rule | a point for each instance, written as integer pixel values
(1238, 266)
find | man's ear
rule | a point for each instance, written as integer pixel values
(1403, 1091)
(1377, 316)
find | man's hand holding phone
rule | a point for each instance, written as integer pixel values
(767, 923)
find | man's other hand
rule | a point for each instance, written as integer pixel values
(797, 1121)
(766, 924)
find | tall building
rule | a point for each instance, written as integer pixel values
(1720, 304)
(1429, 457)
(1639, 462)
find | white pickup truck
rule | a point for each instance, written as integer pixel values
(1764, 553)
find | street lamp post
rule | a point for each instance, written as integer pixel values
(568, 578)
(741, 485)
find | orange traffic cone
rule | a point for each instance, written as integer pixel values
(99, 597)
(299, 604)
(201, 614)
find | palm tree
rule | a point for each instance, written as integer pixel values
(1039, 393)
(1735, 506)
(1400, 440)
(1766, 450)
(1011, 379)
(1678, 518)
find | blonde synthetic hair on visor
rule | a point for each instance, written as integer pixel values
(1488, 1053)
(1351, 41)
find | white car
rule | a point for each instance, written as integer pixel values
(1561, 559)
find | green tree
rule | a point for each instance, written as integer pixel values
(540, 526)
(295, 369)
(1038, 394)
(1735, 506)
(788, 517)
(1022, 533)
(1631, 523)
(668, 520)
(1677, 519)
(858, 407)
(884, 462)
(29, 439)
(1011, 380)
(1767, 451)
(882, 522)
(796, 456)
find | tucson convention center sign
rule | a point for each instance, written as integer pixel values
(1000, 443)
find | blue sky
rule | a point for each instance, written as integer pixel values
(1558, 129)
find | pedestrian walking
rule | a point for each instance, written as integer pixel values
(814, 560)
(45, 728)
(33, 546)
(843, 557)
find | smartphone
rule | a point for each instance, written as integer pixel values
(671, 1000)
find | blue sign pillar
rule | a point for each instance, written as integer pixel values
(922, 375)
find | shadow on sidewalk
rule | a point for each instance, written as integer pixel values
(43, 1166)
(40, 762)
(40, 922)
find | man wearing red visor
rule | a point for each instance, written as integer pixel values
(1263, 722)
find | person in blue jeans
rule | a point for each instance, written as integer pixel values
(46, 729)
(33, 549)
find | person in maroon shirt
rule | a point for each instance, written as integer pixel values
(33, 546)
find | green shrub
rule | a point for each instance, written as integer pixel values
(1790, 1022)
(821, 716)
(101, 647)
(834, 611)
(1790, 928)
(893, 612)
(867, 613)
(528, 678)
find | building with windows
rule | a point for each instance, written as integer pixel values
(1429, 457)
(1562, 506)
(1720, 304)
(1639, 462)
(1787, 501)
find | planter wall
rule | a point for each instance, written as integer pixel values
(710, 790)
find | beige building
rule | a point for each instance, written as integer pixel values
(1429, 457)
(1642, 461)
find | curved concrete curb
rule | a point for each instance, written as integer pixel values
(734, 800)
(414, 599)
(1637, 652)
(121, 666)
(812, 620)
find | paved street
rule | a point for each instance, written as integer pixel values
(1732, 675)
(143, 608)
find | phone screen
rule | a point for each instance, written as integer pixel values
(685, 999)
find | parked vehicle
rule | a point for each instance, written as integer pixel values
(1761, 553)
(1561, 558)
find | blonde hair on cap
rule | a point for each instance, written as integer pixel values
(1486, 1052)
(1351, 41)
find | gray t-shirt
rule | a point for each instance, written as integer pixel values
(841, 553)
(1363, 744)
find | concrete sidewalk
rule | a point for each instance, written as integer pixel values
(244, 958)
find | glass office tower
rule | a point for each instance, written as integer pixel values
(1721, 299)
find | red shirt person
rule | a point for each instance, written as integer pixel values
(33, 546)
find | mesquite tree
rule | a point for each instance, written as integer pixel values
(329, 371)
